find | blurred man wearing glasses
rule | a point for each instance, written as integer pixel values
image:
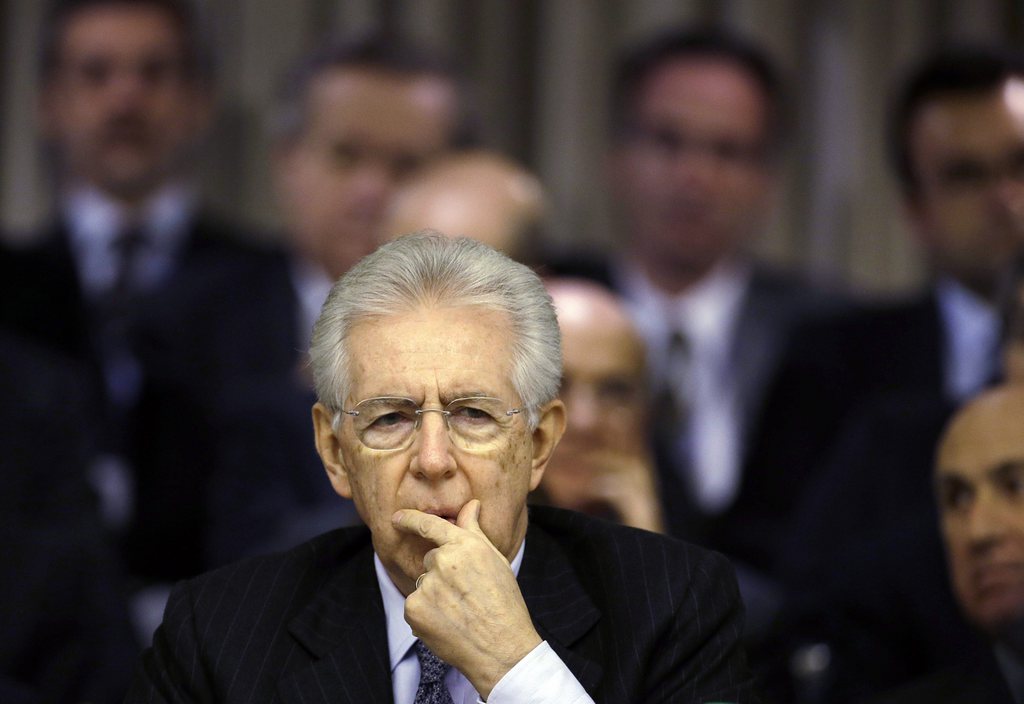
(437, 363)
(604, 465)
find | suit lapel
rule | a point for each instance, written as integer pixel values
(343, 628)
(562, 611)
(756, 349)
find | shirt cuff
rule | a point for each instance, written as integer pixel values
(539, 678)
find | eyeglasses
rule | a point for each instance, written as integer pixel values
(390, 423)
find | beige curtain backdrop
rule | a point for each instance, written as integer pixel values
(541, 70)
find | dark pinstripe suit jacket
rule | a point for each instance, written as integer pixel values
(637, 618)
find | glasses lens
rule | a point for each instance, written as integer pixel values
(477, 423)
(385, 423)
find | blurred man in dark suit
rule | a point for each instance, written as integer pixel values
(356, 119)
(979, 475)
(437, 365)
(864, 564)
(698, 120)
(957, 146)
(63, 600)
(125, 97)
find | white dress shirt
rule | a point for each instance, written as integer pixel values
(95, 222)
(539, 678)
(971, 328)
(311, 284)
(706, 314)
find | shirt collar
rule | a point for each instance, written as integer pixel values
(1012, 669)
(400, 637)
(705, 312)
(95, 219)
(311, 284)
(972, 334)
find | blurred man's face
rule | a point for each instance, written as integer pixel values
(119, 105)
(366, 131)
(980, 482)
(968, 155)
(603, 387)
(692, 178)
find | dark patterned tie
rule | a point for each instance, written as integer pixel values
(672, 405)
(432, 689)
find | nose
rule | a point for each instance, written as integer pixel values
(126, 85)
(433, 459)
(372, 185)
(987, 521)
(583, 410)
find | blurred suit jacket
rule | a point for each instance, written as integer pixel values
(168, 431)
(774, 304)
(63, 612)
(977, 679)
(637, 618)
(269, 490)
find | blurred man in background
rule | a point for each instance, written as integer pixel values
(698, 121)
(476, 194)
(125, 97)
(604, 464)
(355, 121)
(978, 475)
(957, 147)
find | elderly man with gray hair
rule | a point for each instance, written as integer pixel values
(437, 363)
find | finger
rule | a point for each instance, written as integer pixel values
(469, 520)
(434, 528)
(469, 516)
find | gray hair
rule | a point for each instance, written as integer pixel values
(430, 269)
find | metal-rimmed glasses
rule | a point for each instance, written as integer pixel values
(474, 423)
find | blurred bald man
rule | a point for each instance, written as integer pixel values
(979, 481)
(603, 465)
(478, 194)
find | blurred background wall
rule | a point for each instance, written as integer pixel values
(541, 69)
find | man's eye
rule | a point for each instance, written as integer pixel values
(965, 173)
(1015, 165)
(471, 414)
(345, 155)
(96, 72)
(617, 392)
(735, 152)
(158, 71)
(956, 496)
(1012, 484)
(389, 420)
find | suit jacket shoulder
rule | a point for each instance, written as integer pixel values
(636, 617)
(667, 614)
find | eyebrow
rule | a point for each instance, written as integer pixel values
(1003, 470)
(1006, 469)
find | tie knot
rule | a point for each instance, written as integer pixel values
(432, 668)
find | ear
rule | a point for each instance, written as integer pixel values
(329, 448)
(545, 437)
